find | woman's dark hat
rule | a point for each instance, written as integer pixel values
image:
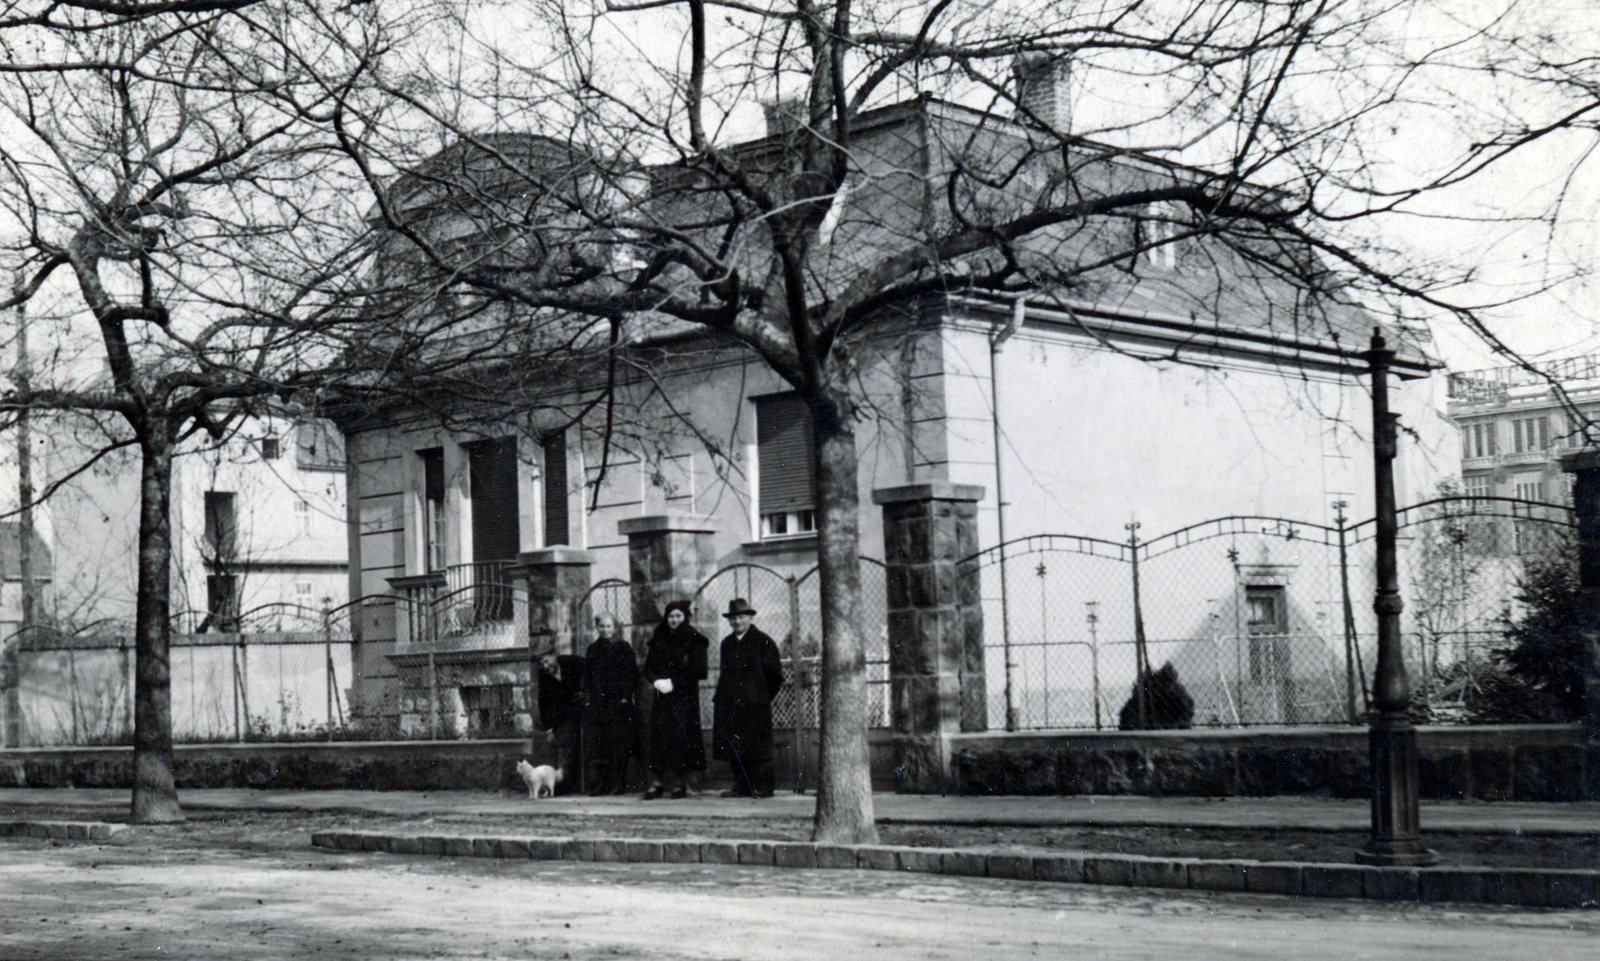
(739, 606)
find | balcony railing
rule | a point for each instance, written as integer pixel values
(463, 601)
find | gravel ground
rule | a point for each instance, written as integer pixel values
(279, 830)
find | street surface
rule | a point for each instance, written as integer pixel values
(168, 897)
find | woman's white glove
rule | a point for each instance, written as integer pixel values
(664, 685)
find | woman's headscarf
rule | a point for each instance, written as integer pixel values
(688, 615)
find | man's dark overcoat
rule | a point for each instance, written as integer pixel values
(741, 720)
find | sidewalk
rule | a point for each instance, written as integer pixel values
(1523, 886)
(1316, 814)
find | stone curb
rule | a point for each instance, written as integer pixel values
(1527, 887)
(61, 830)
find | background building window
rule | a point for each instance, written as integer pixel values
(222, 603)
(270, 448)
(1478, 486)
(221, 532)
(1530, 434)
(786, 450)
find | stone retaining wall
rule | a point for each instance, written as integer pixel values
(1501, 763)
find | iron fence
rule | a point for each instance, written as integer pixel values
(1265, 621)
(286, 675)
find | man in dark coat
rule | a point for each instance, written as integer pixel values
(751, 673)
(610, 681)
(560, 695)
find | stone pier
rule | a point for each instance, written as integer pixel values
(936, 656)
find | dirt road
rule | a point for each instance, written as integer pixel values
(200, 892)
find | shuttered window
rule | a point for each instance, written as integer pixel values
(492, 476)
(432, 508)
(787, 453)
(556, 527)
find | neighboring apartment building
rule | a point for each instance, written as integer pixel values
(256, 521)
(259, 538)
(1084, 414)
(1514, 429)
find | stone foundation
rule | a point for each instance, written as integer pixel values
(1510, 763)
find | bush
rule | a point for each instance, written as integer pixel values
(1169, 706)
(1547, 659)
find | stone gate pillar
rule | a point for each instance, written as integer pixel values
(1586, 505)
(555, 579)
(936, 669)
(669, 556)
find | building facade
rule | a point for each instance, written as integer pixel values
(1072, 413)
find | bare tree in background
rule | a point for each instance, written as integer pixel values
(178, 228)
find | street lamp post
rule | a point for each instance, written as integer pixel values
(1391, 740)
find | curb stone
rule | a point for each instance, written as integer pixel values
(1528, 887)
(62, 830)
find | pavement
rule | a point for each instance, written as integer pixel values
(1581, 818)
(1530, 887)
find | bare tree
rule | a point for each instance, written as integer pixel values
(167, 197)
(1064, 151)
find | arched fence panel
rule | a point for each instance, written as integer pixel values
(1264, 620)
(772, 594)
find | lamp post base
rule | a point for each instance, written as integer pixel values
(1396, 828)
(1397, 853)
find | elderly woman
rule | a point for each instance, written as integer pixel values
(675, 664)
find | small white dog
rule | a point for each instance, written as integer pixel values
(541, 780)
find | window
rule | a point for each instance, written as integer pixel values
(302, 513)
(492, 483)
(1478, 486)
(556, 526)
(222, 603)
(786, 478)
(221, 527)
(1481, 442)
(432, 509)
(269, 448)
(1267, 616)
(302, 592)
(1530, 487)
(490, 709)
(496, 534)
(1530, 434)
(1156, 227)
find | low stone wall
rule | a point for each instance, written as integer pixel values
(1531, 763)
(362, 766)
(1501, 763)
(487, 765)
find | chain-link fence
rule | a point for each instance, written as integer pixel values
(791, 612)
(285, 675)
(1264, 621)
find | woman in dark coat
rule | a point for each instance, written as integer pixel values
(610, 683)
(675, 664)
(750, 675)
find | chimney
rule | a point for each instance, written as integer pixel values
(1041, 81)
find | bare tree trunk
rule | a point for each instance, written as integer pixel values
(155, 792)
(844, 795)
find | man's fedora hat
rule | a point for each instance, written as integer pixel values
(739, 606)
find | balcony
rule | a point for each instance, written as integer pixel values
(466, 607)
